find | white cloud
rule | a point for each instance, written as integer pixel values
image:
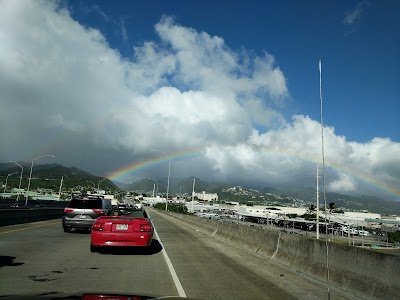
(66, 91)
(354, 15)
(343, 184)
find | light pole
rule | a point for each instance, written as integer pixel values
(155, 182)
(5, 187)
(98, 185)
(30, 175)
(169, 174)
(59, 191)
(94, 186)
(194, 182)
(20, 178)
(116, 194)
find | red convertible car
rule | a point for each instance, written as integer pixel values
(130, 229)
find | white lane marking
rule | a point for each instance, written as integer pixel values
(178, 284)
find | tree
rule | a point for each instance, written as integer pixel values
(394, 237)
(312, 207)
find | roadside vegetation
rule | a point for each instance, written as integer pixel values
(394, 236)
(172, 207)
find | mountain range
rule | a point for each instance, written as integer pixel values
(287, 196)
(49, 176)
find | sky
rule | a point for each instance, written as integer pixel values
(229, 90)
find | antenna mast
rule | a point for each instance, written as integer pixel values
(317, 196)
(323, 181)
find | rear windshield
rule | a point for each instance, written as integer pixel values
(89, 203)
(138, 213)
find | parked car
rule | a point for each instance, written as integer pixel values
(134, 229)
(364, 233)
(345, 231)
(82, 211)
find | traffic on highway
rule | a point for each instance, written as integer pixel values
(137, 251)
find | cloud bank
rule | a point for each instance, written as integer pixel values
(65, 91)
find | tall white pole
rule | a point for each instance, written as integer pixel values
(20, 179)
(362, 236)
(317, 202)
(98, 185)
(169, 174)
(29, 185)
(4, 192)
(59, 192)
(348, 233)
(323, 179)
(154, 187)
(157, 185)
(30, 175)
(194, 182)
(157, 190)
(8, 175)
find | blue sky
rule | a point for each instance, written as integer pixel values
(236, 84)
(361, 86)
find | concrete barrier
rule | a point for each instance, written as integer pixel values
(4, 203)
(19, 216)
(363, 272)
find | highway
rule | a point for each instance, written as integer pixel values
(39, 258)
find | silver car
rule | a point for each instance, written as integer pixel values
(81, 212)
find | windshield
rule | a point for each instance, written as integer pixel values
(89, 204)
(210, 149)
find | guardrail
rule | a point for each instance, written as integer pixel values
(19, 216)
(365, 273)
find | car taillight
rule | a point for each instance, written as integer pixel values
(98, 226)
(67, 210)
(145, 227)
(99, 211)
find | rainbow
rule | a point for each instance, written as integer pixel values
(357, 173)
(129, 169)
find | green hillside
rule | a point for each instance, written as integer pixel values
(48, 176)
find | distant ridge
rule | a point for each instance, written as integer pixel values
(49, 176)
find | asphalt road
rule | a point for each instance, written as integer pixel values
(39, 258)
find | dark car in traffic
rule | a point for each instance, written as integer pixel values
(82, 211)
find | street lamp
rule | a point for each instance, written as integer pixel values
(169, 174)
(98, 185)
(30, 175)
(94, 186)
(155, 182)
(20, 178)
(5, 187)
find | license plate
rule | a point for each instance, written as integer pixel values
(82, 216)
(122, 226)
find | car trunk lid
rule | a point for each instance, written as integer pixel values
(125, 224)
